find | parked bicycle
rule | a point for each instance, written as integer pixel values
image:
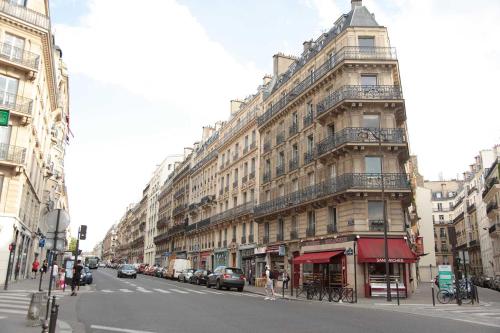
(344, 294)
(445, 296)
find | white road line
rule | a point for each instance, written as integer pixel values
(106, 291)
(14, 306)
(162, 291)
(179, 291)
(195, 291)
(15, 298)
(15, 302)
(2, 317)
(13, 311)
(214, 292)
(133, 285)
(142, 290)
(14, 294)
(117, 329)
(488, 314)
(125, 290)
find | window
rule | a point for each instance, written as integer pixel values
(438, 195)
(252, 165)
(333, 170)
(281, 190)
(252, 195)
(373, 164)
(366, 42)
(246, 141)
(8, 90)
(332, 218)
(235, 201)
(442, 232)
(281, 159)
(440, 206)
(245, 169)
(268, 195)
(309, 110)
(295, 152)
(234, 232)
(441, 218)
(295, 119)
(244, 197)
(268, 167)
(281, 227)
(368, 80)
(5, 141)
(310, 177)
(225, 234)
(310, 144)
(250, 232)
(13, 46)
(311, 220)
(330, 129)
(294, 223)
(18, 2)
(295, 185)
(375, 210)
(371, 120)
(266, 230)
(253, 137)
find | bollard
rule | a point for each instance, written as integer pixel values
(40, 283)
(476, 294)
(397, 291)
(45, 326)
(35, 309)
(433, 297)
(53, 318)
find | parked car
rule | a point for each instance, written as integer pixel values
(199, 277)
(127, 270)
(185, 275)
(86, 276)
(158, 271)
(142, 268)
(176, 266)
(495, 283)
(227, 277)
(102, 265)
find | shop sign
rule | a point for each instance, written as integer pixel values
(247, 253)
(273, 248)
(392, 260)
(349, 252)
(167, 254)
(260, 250)
(328, 241)
(205, 254)
(281, 250)
(445, 277)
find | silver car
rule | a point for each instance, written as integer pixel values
(127, 270)
(186, 274)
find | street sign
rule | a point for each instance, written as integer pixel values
(49, 242)
(4, 117)
(349, 252)
(51, 220)
(41, 242)
(281, 250)
(445, 277)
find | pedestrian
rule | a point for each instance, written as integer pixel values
(34, 267)
(45, 266)
(55, 274)
(249, 277)
(62, 280)
(269, 285)
(75, 281)
(286, 278)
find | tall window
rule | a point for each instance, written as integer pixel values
(252, 195)
(310, 144)
(294, 223)
(332, 218)
(440, 206)
(18, 2)
(375, 210)
(244, 229)
(295, 152)
(266, 230)
(13, 46)
(372, 164)
(252, 165)
(368, 80)
(371, 120)
(331, 129)
(281, 226)
(333, 170)
(295, 185)
(234, 232)
(295, 119)
(268, 167)
(281, 159)
(311, 220)
(250, 232)
(366, 43)
(309, 109)
(246, 141)
(225, 234)
(245, 169)
(254, 138)
(310, 177)
(235, 201)
(8, 90)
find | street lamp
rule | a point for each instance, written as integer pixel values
(378, 137)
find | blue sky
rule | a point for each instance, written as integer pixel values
(146, 75)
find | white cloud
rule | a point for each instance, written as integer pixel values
(448, 55)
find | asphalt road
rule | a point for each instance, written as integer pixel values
(149, 304)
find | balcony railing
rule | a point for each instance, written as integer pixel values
(280, 170)
(346, 53)
(179, 209)
(265, 240)
(348, 181)
(245, 150)
(308, 157)
(12, 154)
(308, 120)
(444, 248)
(246, 208)
(293, 129)
(376, 225)
(442, 209)
(19, 56)
(491, 206)
(280, 138)
(279, 237)
(331, 228)
(16, 103)
(293, 164)
(359, 93)
(361, 135)
(25, 14)
(213, 154)
(266, 177)
(179, 192)
(310, 231)
(294, 234)
(243, 239)
(267, 147)
(489, 183)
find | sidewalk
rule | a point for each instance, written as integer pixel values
(18, 296)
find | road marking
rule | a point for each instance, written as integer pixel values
(106, 291)
(15, 298)
(133, 285)
(179, 291)
(14, 306)
(125, 290)
(142, 290)
(162, 291)
(214, 292)
(14, 294)
(117, 329)
(195, 291)
(488, 314)
(15, 302)
(13, 311)
(2, 317)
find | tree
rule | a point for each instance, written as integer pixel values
(72, 245)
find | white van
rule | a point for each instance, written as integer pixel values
(176, 266)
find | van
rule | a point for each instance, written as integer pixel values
(176, 266)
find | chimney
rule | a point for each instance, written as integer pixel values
(235, 106)
(207, 131)
(281, 63)
(266, 79)
(307, 45)
(356, 3)
(187, 151)
(218, 125)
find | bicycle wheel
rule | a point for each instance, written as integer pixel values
(336, 294)
(465, 297)
(349, 295)
(444, 296)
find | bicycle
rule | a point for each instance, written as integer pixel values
(445, 296)
(344, 294)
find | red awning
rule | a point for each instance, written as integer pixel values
(316, 257)
(372, 250)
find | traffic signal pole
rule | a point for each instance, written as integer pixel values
(12, 248)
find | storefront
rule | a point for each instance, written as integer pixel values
(260, 261)
(220, 258)
(371, 254)
(247, 256)
(275, 258)
(327, 268)
(181, 255)
(205, 259)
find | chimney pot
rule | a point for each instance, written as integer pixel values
(356, 3)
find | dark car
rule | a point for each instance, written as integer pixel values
(227, 277)
(86, 276)
(199, 277)
(127, 270)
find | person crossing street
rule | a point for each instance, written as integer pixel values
(77, 271)
(269, 288)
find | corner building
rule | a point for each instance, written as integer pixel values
(321, 165)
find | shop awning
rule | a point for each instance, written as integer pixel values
(316, 257)
(372, 250)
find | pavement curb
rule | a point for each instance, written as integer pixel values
(288, 298)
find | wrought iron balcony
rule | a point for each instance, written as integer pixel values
(25, 14)
(345, 182)
(213, 154)
(243, 239)
(280, 170)
(489, 184)
(266, 177)
(244, 179)
(376, 225)
(293, 164)
(308, 157)
(280, 138)
(246, 208)
(180, 192)
(331, 228)
(279, 237)
(491, 206)
(357, 135)
(12, 154)
(207, 199)
(265, 240)
(179, 209)
(250, 238)
(161, 223)
(16, 103)
(444, 248)
(308, 120)
(346, 53)
(294, 128)
(267, 147)
(358, 92)
(294, 234)
(193, 206)
(310, 231)
(245, 150)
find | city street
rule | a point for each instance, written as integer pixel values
(149, 304)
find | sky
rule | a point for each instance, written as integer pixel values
(145, 76)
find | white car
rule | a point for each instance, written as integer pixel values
(101, 264)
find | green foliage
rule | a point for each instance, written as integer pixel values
(72, 245)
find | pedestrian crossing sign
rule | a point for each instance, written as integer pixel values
(4, 117)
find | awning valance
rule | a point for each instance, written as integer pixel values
(316, 257)
(373, 250)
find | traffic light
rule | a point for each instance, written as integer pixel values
(83, 232)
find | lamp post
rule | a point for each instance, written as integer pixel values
(378, 137)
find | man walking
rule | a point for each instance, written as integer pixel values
(269, 285)
(34, 267)
(77, 271)
(55, 274)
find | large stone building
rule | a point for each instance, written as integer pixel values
(34, 89)
(109, 244)
(491, 198)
